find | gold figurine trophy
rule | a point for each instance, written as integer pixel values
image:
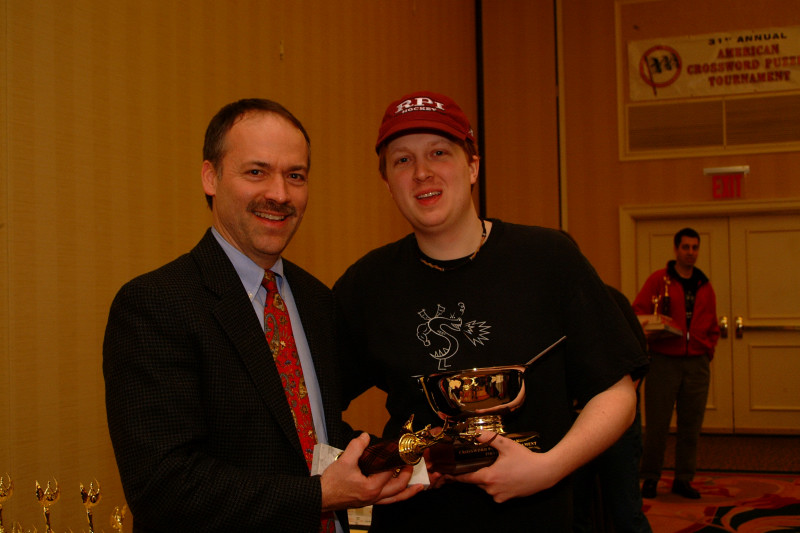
(118, 517)
(469, 401)
(47, 498)
(6, 490)
(90, 498)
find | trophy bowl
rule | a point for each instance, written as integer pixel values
(469, 401)
(477, 392)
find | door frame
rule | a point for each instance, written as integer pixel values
(629, 215)
(629, 219)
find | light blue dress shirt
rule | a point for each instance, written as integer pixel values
(251, 275)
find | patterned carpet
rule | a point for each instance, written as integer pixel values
(736, 502)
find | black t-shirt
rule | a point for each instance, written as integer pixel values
(689, 290)
(526, 288)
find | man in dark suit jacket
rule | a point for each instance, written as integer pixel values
(202, 431)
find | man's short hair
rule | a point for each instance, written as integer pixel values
(685, 232)
(217, 130)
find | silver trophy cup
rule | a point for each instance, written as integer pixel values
(469, 401)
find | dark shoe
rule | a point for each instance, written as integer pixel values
(684, 488)
(649, 488)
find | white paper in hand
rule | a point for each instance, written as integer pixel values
(324, 455)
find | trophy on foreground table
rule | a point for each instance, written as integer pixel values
(470, 402)
(6, 490)
(47, 498)
(90, 498)
(118, 518)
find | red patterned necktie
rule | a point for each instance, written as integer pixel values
(278, 330)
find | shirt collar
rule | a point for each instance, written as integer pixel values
(249, 272)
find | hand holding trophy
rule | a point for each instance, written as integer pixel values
(469, 401)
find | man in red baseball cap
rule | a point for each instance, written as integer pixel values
(465, 292)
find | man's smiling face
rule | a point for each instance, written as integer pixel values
(430, 178)
(260, 189)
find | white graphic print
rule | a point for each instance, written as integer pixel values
(443, 329)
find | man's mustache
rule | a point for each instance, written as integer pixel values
(272, 206)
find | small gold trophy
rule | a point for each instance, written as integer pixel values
(47, 498)
(656, 300)
(6, 490)
(469, 401)
(90, 498)
(118, 517)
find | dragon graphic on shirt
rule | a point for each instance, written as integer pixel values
(439, 332)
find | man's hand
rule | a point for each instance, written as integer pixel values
(516, 472)
(344, 486)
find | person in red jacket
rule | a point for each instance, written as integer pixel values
(679, 373)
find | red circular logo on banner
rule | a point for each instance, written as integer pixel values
(660, 66)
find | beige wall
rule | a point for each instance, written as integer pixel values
(521, 112)
(522, 130)
(597, 181)
(102, 111)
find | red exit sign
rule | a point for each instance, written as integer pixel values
(726, 186)
(726, 182)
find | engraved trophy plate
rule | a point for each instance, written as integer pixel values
(469, 401)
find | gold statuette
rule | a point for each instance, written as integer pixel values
(90, 498)
(118, 517)
(6, 490)
(47, 498)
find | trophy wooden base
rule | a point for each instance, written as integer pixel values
(454, 457)
(450, 455)
(384, 455)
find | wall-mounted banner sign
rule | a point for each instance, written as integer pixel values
(716, 64)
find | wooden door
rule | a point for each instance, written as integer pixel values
(752, 262)
(765, 322)
(654, 247)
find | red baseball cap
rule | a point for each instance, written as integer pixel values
(427, 111)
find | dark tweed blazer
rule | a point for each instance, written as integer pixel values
(202, 432)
